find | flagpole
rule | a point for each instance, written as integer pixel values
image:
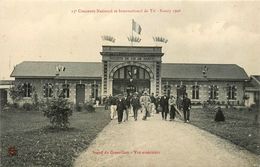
(132, 34)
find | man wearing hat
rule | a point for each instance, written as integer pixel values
(145, 101)
(186, 106)
(113, 111)
(164, 102)
(172, 107)
(136, 105)
(121, 106)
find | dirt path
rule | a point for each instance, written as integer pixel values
(159, 143)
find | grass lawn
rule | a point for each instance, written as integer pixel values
(38, 145)
(239, 127)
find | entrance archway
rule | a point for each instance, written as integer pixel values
(131, 78)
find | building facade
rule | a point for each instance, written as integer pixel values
(126, 69)
(252, 91)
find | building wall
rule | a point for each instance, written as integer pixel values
(204, 90)
(38, 86)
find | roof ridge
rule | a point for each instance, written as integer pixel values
(56, 62)
(201, 63)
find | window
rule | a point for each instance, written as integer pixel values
(195, 92)
(181, 90)
(94, 91)
(167, 90)
(134, 72)
(48, 90)
(213, 92)
(66, 90)
(27, 87)
(231, 92)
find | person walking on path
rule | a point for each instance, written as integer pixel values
(164, 102)
(145, 101)
(157, 103)
(121, 106)
(113, 112)
(128, 107)
(105, 102)
(152, 105)
(186, 106)
(136, 105)
(172, 107)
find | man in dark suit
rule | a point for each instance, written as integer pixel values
(136, 105)
(165, 106)
(121, 106)
(186, 106)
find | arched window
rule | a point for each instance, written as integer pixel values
(66, 90)
(167, 90)
(195, 91)
(134, 72)
(231, 92)
(94, 90)
(27, 88)
(181, 90)
(213, 92)
(48, 90)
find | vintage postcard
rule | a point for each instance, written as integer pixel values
(129, 83)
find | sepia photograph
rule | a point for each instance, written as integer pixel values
(120, 83)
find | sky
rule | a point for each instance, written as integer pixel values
(197, 31)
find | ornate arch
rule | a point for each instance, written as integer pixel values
(131, 63)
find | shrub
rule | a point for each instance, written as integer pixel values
(58, 111)
(78, 107)
(89, 107)
(15, 105)
(16, 92)
(27, 106)
(35, 100)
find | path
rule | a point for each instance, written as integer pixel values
(163, 143)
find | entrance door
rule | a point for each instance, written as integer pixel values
(129, 79)
(80, 93)
(124, 86)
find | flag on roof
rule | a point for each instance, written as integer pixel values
(136, 27)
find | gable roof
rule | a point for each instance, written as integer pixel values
(94, 70)
(194, 71)
(48, 69)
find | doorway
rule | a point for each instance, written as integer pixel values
(129, 79)
(80, 93)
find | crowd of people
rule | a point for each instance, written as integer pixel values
(123, 106)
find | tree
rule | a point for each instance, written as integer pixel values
(58, 111)
(35, 99)
(16, 92)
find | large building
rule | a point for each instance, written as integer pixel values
(129, 69)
